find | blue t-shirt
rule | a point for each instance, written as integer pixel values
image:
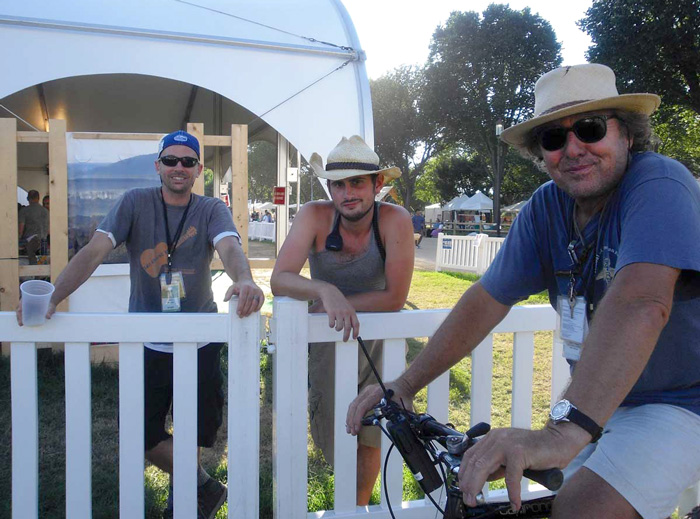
(652, 217)
(418, 223)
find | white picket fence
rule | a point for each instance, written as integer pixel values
(466, 253)
(261, 231)
(292, 329)
(77, 330)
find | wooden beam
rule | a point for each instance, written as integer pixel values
(239, 180)
(43, 271)
(33, 137)
(8, 189)
(118, 136)
(197, 129)
(58, 191)
(9, 292)
(217, 140)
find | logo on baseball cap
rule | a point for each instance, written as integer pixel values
(179, 138)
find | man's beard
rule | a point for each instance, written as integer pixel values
(356, 217)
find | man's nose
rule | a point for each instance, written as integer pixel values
(573, 147)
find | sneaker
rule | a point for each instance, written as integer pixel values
(210, 497)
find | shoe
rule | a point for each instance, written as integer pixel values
(210, 497)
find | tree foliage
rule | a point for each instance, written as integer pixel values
(262, 170)
(678, 130)
(482, 70)
(652, 45)
(404, 135)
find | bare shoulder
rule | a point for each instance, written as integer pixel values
(394, 214)
(315, 216)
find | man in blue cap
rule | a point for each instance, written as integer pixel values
(171, 235)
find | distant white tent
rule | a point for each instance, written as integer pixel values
(432, 212)
(515, 208)
(478, 202)
(456, 203)
(22, 196)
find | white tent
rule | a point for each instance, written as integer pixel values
(515, 208)
(149, 66)
(456, 203)
(478, 202)
(432, 212)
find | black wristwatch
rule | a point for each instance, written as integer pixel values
(565, 411)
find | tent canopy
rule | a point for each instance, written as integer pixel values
(515, 208)
(147, 66)
(478, 202)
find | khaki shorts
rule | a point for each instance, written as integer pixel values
(650, 454)
(322, 393)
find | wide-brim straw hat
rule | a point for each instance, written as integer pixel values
(351, 158)
(573, 90)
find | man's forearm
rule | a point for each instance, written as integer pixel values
(297, 286)
(471, 320)
(78, 270)
(622, 338)
(236, 264)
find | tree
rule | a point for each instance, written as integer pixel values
(652, 45)
(483, 70)
(404, 136)
(456, 173)
(262, 170)
(678, 130)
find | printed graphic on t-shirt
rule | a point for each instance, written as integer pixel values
(152, 260)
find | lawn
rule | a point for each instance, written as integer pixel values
(429, 290)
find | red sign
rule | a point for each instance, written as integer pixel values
(278, 195)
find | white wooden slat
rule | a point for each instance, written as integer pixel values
(25, 431)
(78, 431)
(244, 409)
(560, 371)
(185, 429)
(482, 378)
(523, 362)
(345, 446)
(438, 406)
(393, 364)
(290, 379)
(521, 406)
(131, 430)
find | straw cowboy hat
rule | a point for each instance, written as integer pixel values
(573, 90)
(351, 158)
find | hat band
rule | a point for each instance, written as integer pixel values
(562, 106)
(364, 166)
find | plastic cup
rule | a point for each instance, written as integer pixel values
(36, 296)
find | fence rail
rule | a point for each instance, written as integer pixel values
(292, 329)
(466, 253)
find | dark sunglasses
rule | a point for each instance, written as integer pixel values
(589, 130)
(172, 160)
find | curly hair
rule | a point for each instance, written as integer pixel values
(636, 125)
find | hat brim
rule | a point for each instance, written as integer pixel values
(639, 103)
(340, 174)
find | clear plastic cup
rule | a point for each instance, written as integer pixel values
(36, 296)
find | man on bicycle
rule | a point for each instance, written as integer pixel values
(361, 256)
(627, 290)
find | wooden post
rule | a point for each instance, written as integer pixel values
(9, 250)
(58, 191)
(239, 180)
(197, 129)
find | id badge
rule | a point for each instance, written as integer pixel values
(169, 294)
(176, 277)
(573, 325)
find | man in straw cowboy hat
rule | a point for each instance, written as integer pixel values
(627, 292)
(361, 258)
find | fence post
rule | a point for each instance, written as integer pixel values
(438, 253)
(25, 430)
(481, 253)
(243, 401)
(290, 330)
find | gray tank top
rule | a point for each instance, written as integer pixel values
(365, 273)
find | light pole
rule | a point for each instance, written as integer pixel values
(497, 179)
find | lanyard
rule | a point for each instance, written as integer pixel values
(173, 244)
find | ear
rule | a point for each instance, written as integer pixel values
(200, 168)
(379, 184)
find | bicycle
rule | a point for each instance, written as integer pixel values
(414, 435)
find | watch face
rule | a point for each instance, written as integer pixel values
(560, 410)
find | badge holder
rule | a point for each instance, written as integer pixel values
(172, 291)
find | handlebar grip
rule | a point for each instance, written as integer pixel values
(549, 478)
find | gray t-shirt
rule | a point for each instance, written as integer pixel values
(137, 219)
(35, 218)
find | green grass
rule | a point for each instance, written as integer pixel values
(429, 290)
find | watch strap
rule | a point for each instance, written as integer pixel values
(586, 423)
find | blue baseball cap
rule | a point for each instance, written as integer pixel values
(179, 138)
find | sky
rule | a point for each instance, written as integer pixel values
(398, 32)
